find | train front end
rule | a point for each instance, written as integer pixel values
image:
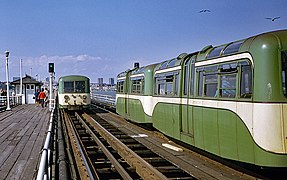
(74, 92)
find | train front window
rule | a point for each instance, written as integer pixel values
(80, 86)
(284, 72)
(68, 86)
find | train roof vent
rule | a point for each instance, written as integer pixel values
(206, 48)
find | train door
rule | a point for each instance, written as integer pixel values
(187, 110)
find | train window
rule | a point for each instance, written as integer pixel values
(164, 65)
(228, 86)
(159, 80)
(169, 85)
(68, 86)
(215, 52)
(172, 63)
(232, 48)
(200, 83)
(120, 86)
(80, 86)
(192, 75)
(137, 85)
(160, 88)
(210, 85)
(284, 72)
(186, 77)
(176, 82)
(210, 81)
(228, 73)
(246, 82)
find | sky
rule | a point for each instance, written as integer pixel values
(101, 38)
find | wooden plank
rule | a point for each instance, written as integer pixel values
(39, 135)
(13, 156)
(5, 154)
(18, 168)
(22, 135)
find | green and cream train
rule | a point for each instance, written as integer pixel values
(228, 100)
(74, 92)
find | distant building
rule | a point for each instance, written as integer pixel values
(16, 78)
(30, 85)
(111, 81)
(101, 81)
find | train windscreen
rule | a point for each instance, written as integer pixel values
(74, 87)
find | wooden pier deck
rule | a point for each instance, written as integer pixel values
(22, 134)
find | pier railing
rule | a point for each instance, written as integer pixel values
(45, 167)
(14, 101)
(106, 99)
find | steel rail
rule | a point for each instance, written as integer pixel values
(87, 173)
(109, 155)
(143, 168)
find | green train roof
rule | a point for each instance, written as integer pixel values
(210, 52)
(73, 77)
(171, 63)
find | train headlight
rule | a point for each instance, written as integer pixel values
(84, 97)
(66, 97)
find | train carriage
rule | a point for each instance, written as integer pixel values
(74, 92)
(133, 92)
(229, 100)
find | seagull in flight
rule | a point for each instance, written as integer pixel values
(273, 19)
(204, 11)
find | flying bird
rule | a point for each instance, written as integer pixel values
(273, 19)
(204, 11)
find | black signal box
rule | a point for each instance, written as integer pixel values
(51, 67)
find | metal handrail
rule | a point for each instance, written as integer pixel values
(44, 171)
(108, 99)
(14, 101)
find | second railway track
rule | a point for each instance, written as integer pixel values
(107, 153)
(106, 149)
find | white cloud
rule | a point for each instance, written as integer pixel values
(83, 64)
(64, 65)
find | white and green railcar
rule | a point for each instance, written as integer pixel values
(74, 92)
(228, 100)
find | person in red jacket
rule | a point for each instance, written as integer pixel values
(42, 97)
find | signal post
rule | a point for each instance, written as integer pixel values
(51, 72)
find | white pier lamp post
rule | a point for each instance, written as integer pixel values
(7, 81)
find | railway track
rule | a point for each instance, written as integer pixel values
(103, 152)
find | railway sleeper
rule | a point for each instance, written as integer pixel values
(135, 146)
